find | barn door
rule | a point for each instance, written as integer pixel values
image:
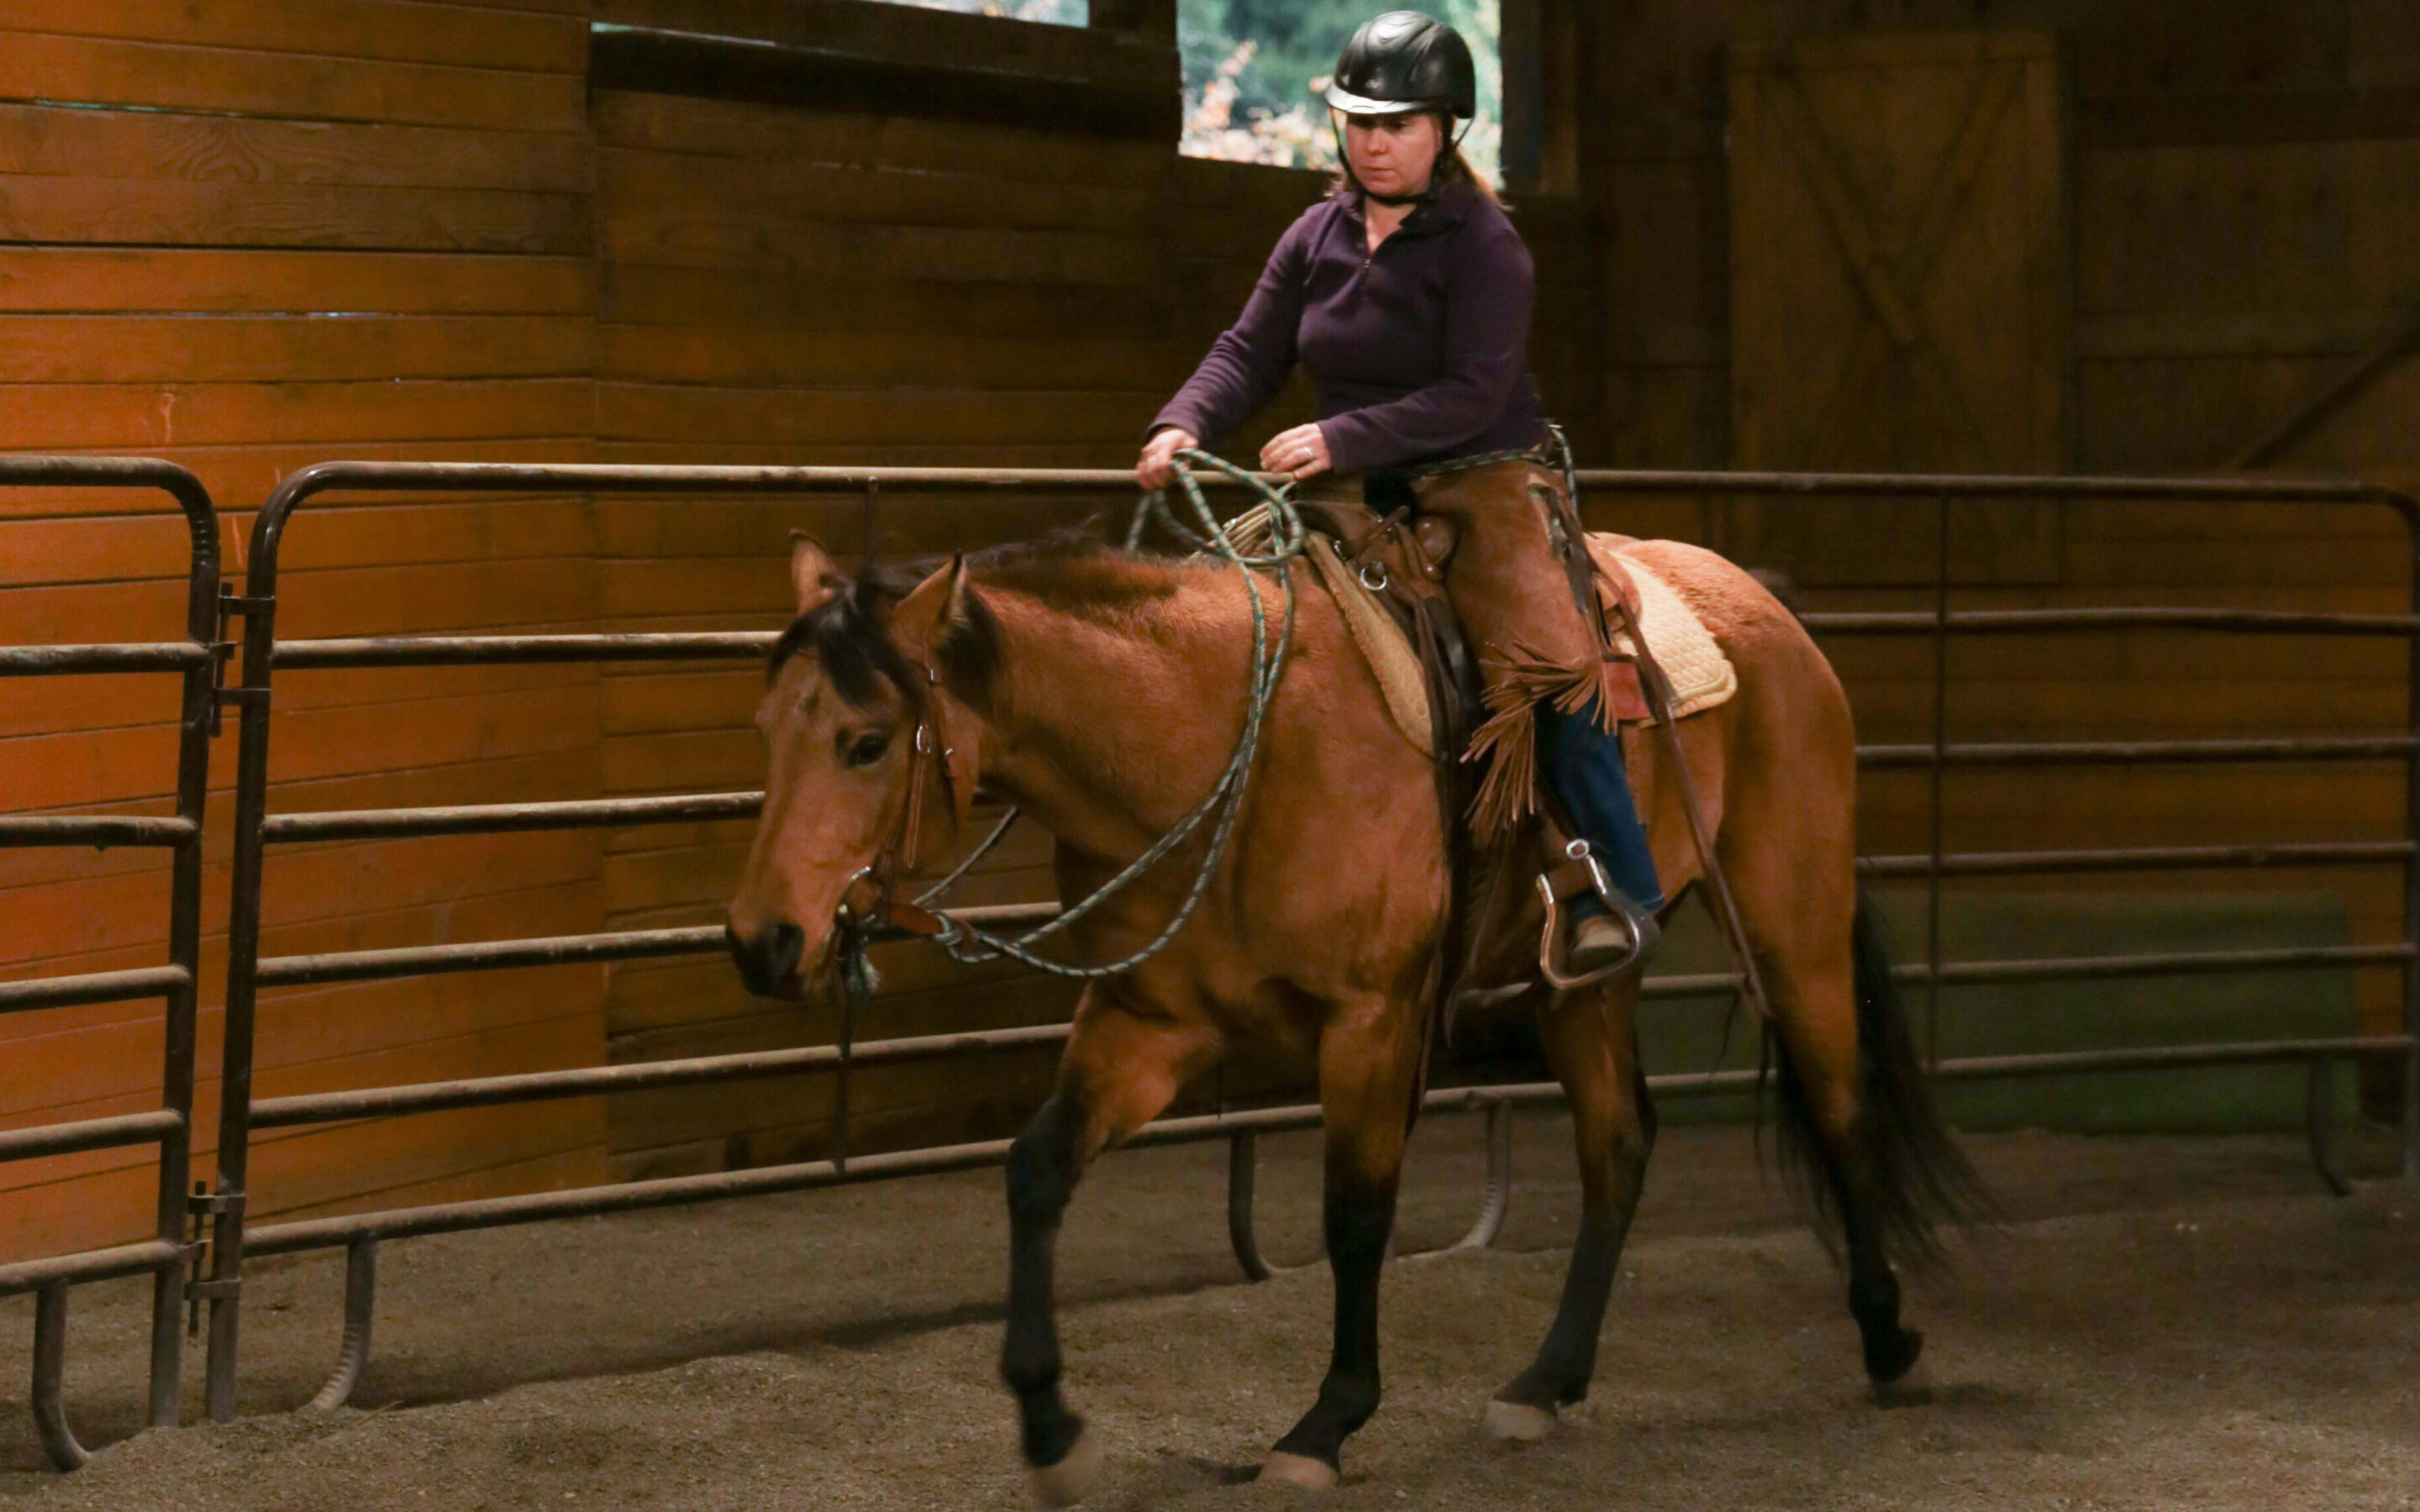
(1898, 289)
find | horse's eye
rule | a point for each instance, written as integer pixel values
(867, 749)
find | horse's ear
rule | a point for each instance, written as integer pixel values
(924, 618)
(811, 572)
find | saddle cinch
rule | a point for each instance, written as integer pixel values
(1387, 575)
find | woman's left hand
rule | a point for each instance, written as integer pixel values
(1302, 452)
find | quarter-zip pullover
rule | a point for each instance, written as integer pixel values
(1419, 349)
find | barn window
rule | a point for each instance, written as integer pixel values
(1049, 12)
(1255, 69)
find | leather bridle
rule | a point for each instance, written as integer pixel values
(871, 901)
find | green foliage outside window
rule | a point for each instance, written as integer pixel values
(1255, 71)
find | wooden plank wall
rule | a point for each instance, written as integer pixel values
(246, 234)
(2243, 228)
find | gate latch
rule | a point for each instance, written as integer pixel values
(204, 1205)
(223, 652)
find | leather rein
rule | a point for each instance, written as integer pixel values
(871, 901)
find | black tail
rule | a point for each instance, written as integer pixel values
(1918, 1179)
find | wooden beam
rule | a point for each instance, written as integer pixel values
(898, 60)
(731, 67)
(2247, 115)
(2390, 349)
(1521, 47)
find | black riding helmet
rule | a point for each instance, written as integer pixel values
(1394, 65)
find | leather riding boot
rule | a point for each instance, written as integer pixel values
(1601, 938)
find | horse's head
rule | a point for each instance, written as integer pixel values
(872, 760)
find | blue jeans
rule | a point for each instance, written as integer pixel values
(1584, 762)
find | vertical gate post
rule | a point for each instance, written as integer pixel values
(197, 721)
(2410, 510)
(1939, 777)
(251, 696)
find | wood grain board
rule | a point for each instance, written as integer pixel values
(248, 235)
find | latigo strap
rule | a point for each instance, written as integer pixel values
(1580, 566)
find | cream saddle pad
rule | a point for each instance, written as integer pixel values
(1701, 676)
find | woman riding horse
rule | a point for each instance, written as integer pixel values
(1407, 295)
(1066, 677)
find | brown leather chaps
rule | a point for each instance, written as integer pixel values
(1506, 529)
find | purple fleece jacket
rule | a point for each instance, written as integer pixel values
(1418, 350)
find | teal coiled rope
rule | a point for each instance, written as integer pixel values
(1225, 803)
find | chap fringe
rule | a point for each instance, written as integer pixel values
(1516, 684)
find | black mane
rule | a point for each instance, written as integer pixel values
(1074, 569)
(846, 635)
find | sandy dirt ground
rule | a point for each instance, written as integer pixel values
(2160, 1323)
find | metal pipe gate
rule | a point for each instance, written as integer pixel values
(257, 829)
(170, 1126)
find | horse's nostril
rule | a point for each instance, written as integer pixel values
(788, 946)
(769, 960)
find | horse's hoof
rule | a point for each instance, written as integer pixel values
(1518, 1422)
(1299, 1470)
(1071, 1479)
(1914, 1384)
(1893, 1363)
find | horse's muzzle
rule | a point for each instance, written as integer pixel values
(769, 963)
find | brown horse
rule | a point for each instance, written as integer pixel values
(1103, 692)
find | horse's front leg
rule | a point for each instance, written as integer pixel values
(1120, 1069)
(1368, 1068)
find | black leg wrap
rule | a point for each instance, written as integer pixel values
(1049, 1430)
(1566, 1362)
(1343, 1406)
(1041, 1179)
(1358, 1225)
(1873, 1299)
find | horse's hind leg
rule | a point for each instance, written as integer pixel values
(1591, 1044)
(1855, 1108)
(1815, 1004)
(1120, 1069)
(1368, 1068)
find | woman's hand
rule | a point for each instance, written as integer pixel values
(1302, 452)
(1154, 470)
